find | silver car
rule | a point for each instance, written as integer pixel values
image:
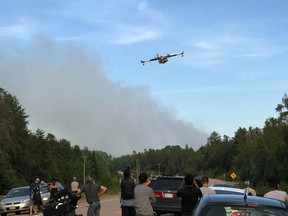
(17, 200)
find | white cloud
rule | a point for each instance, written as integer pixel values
(219, 49)
(24, 28)
(149, 12)
(133, 34)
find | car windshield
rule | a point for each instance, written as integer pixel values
(235, 210)
(17, 192)
(168, 184)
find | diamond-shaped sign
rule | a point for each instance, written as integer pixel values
(233, 175)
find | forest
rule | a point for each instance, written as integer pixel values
(253, 153)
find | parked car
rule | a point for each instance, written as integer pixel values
(152, 182)
(228, 190)
(165, 190)
(239, 205)
(16, 201)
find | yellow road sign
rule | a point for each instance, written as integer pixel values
(233, 175)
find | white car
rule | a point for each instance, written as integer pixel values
(228, 190)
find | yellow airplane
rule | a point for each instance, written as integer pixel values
(162, 59)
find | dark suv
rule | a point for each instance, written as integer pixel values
(165, 190)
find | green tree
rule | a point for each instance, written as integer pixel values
(13, 137)
(282, 109)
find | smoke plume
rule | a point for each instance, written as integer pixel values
(67, 93)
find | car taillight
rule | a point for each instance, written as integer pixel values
(175, 195)
(240, 213)
(158, 194)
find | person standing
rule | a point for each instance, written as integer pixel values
(74, 185)
(275, 192)
(205, 190)
(54, 187)
(127, 185)
(144, 196)
(92, 191)
(32, 206)
(189, 194)
(248, 190)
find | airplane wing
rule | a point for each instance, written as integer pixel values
(176, 54)
(145, 61)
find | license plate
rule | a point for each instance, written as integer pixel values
(168, 195)
(12, 207)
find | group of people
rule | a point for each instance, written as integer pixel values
(91, 189)
(274, 190)
(190, 193)
(54, 187)
(136, 199)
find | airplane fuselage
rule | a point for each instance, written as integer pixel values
(162, 60)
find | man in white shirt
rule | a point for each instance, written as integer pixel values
(74, 185)
(248, 190)
(205, 189)
(275, 192)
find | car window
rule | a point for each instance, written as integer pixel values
(44, 189)
(168, 183)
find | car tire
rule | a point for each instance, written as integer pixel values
(3, 214)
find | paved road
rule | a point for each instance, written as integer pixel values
(110, 206)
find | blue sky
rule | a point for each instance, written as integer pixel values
(75, 68)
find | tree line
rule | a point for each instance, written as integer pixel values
(253, 153)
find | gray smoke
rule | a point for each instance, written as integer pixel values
(66, 92)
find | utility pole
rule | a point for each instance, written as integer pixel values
(159, 169)
(137, 169)
(84, 167)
